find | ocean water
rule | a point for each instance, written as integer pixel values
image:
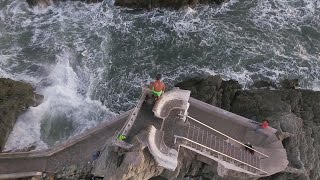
(89, 61)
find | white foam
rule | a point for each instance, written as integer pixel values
(218, 44)
(26, 132)
(61, 99)
(279, 14)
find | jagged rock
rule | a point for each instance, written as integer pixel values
(46, 3)
(212, 90)
(264, 84)
(204, 89)
(187, 165)
(138, 163)
(73, 172)
(295, 114)
(258, 104)
(289, 84)
(15, 98)
(229, 89)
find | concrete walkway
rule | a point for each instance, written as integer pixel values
(75, 151)
(79, 150)
(243, 130)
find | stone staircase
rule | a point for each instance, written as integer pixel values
(218, 149)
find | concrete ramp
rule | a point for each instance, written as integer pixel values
(164, 156)
(174, 99)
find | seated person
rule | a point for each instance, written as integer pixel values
(263, 125)
(251, 151)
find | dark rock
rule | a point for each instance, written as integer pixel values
(26, 149)
(43, 3)
(46, 3)
(295, 113)
(229, 89)
(289, 84)
(205, 89)
(212, 90)
(264, 84)
(138, 163)
(15, 98)
(79, 171)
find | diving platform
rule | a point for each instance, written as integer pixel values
(177, 121)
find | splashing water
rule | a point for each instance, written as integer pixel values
(90, 60)
(64, 112)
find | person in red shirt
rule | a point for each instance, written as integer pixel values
(263, 125)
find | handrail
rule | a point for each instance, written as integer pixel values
(219, 153)
(226, 136)
(134, 113)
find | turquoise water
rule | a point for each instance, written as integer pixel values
(89, 61)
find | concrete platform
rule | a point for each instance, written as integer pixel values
(79, 150)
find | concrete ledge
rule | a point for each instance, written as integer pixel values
(20, 175)
(164, 156)
(174, 99)
(218, 112)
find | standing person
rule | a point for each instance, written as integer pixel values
(158, 87)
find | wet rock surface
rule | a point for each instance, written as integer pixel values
(15, 98)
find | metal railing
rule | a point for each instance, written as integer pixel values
(216, 151)
(227, 136)
(123, 133)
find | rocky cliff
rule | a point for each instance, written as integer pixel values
(294, 112)
(15, 98)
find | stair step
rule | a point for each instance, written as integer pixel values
(213, 142)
